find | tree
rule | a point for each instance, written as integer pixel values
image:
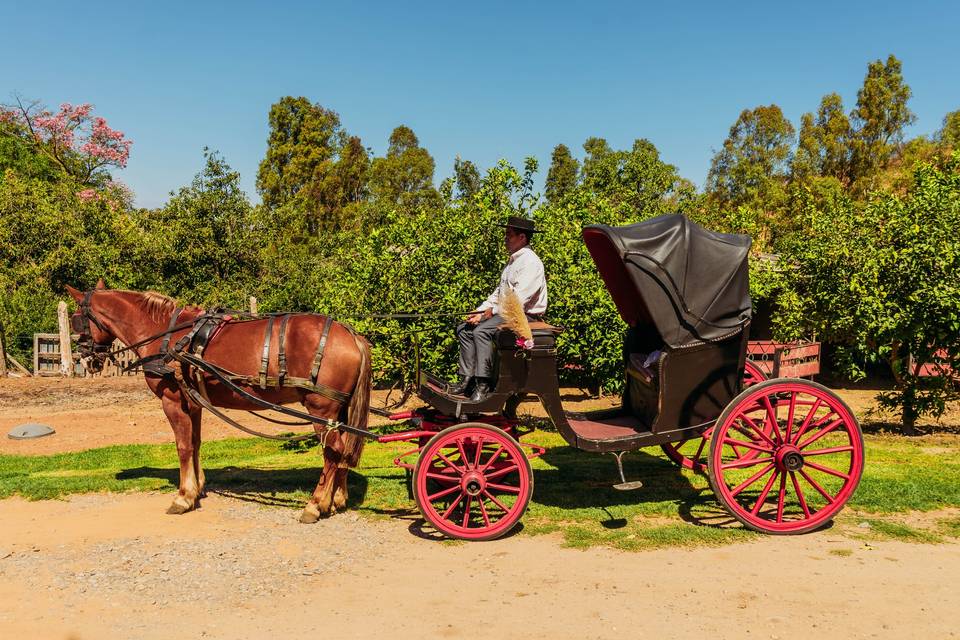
(882, 283)
(823, 149)
(207, 238)
(404, 177)
(751, 168)
(636, 180)
(80, 145)
(466, 178)
(562, 175)
(949, 134)
(878, 120)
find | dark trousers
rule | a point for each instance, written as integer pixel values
(477, 345)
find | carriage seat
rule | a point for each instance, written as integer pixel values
(544, 335)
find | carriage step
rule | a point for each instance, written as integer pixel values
(623, 485)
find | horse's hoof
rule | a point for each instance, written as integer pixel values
(309, 516)
(177, 509)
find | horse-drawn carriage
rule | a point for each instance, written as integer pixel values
(783, 456)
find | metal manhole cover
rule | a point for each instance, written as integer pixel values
(30, 430)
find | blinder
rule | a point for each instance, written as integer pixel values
(94, 353)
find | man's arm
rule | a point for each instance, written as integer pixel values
(528, 282)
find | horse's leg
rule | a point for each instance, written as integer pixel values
(178, 413)
(321, 502)
(196, 414)
(340, 489)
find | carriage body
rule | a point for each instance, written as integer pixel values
(683, 292)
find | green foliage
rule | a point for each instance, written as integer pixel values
(205, 241)
(882, 282)
(878, 120)
(949, 134)
(404, 177)
(824, 146)
(752, 167)
(562, 175)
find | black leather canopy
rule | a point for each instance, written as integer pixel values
(688, 283)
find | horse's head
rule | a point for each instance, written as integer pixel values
(95, 339)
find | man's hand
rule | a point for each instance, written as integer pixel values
(479, 316)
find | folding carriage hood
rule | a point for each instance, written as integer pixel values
(692, 285)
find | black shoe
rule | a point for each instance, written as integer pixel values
(462, 388)
(481, 390)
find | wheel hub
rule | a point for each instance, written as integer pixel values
(789, 458)
(473, 483)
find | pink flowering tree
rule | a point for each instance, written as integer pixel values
(82, 145)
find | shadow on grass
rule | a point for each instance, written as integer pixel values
(272, 487)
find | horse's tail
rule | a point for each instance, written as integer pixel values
(359, 409)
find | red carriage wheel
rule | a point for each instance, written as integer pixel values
(692, 452)
(752, 374)
(472, 481)
(808, 462)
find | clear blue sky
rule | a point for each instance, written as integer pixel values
(483, 80)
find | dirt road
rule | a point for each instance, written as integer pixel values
(115, 566)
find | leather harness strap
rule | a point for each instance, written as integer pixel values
(282, 355)
(315, 371)
(173, 322)
(265, 358)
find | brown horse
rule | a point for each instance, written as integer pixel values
(134, 316)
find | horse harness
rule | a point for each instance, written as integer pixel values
(187, 352)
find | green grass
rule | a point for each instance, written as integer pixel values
(573, 496)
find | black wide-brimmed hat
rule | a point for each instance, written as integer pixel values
(522, 224)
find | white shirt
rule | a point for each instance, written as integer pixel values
(523, 274)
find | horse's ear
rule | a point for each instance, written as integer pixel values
(76, 295)
(101, 284)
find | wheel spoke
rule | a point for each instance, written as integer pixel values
(813, 483)
(807, 420)
(793, 406)
(746, 445)
(494, 500)
(443, 493)
(502, 472)
(772, 418)
(832, 472)
(495, 455)
(483, 512)
(463, 454)
(819, 434)
(441, 477)
(796, 488)
(466, 512)
(452, 466)
(453, 505)
(476, 460)
(741, 463)
(749, 481)
(504, 487)
(764, 493)
(696, 456)
(756, 429)
(782, 493)
(823, 452)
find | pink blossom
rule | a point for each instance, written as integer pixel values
(87, 195)
(525, 344)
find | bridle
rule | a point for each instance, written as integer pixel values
(98, 353)
(86, 346)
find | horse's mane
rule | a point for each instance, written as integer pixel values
(159, 306)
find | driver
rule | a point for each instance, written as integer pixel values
(524, 274)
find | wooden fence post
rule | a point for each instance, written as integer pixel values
(66, 353)
(253, 305)
(3, 352)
